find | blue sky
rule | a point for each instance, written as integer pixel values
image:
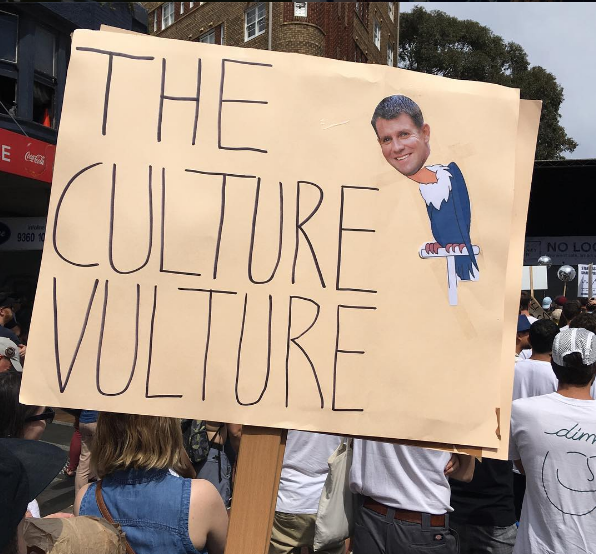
(559, 36)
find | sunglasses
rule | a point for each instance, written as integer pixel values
(47, 414)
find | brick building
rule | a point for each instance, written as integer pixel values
(354, 31)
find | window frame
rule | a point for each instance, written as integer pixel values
(377, 38)
(16, 46)
(163, 15)
(181, 8)
(208, 34)
(390, 49)
(256, 7)
(391, 9)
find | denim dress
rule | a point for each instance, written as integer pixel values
(151, 506)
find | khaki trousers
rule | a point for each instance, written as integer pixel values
(84, 472)
(295, 534)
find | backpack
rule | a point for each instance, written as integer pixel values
(196, 442)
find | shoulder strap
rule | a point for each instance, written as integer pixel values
(106, 514)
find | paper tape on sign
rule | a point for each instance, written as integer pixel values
(245, 262)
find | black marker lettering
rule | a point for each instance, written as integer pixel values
(62, 385)
(153, 310)
(300, 229)
(222, 100)
(57, 216)
(208, 341)
(100, 345)
(294, 341)
(341, 231)
(196, 99)
(111, 235)
(253, 230)
(162, 269)
(224, 181)
(111, 56)
(240, 354)
(341, 351)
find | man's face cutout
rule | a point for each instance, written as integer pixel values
(569, 481)
(405, 146)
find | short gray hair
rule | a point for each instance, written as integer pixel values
(393, 106)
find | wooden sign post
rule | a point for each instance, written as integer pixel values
(255, 491)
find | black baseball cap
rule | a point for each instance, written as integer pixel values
(27, 467)
(7, 301)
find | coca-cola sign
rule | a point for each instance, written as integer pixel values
(35, 158)
(25, 156)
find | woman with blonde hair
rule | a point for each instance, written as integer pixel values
(139, 460)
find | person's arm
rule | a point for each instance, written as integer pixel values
(520, 466)
(207, 518)
(235, 434)
(460, 467)
(79, 497)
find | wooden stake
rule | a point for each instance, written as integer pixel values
(565, 288)
(590, 273)
(255, 491)
(531, 282)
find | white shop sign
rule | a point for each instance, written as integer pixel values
(562, 250)
(22, 233)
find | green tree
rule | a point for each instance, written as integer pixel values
(437, 43)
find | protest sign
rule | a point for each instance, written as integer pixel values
(583, 281)
(254, 252)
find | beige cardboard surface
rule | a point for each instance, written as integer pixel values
(124, 320)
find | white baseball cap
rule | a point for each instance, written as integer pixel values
(574, 340)
(10, 350)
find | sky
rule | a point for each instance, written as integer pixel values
(559, 36)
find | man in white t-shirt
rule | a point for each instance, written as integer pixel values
(303, 476)
(535, 376)
(553, 440)
(404, 497)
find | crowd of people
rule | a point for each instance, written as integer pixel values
(168, 484)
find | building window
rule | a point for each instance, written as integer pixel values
(208, 38)
(191, 5)
(167, 14)
(391, 10)
(300, 9)
(181, 8)
(45, 49)
(155, 21)
(359, 55)
(254, 21)
(377, 34)
(9, 25)
(390, 54)
(215, 36)
(362, 11)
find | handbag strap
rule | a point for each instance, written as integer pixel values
(106, 514)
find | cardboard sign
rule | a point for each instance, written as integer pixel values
(257, 252)
(539, 280)
(583, 281)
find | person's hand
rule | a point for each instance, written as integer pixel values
(452, 465)
(22, 350)
(59, 515)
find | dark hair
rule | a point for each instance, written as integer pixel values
(12, 412)
(583, 301)
(524, 300)
(542, 335)
(571, 309)
(585, 320)
(393, 106)
(574, 372)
